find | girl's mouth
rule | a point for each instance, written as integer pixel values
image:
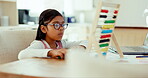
(60, 34)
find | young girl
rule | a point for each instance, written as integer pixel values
(48, 41)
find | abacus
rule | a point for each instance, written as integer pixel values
(102, 29)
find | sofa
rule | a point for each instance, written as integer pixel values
(12, 42)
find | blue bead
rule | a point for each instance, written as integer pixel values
(104, 53)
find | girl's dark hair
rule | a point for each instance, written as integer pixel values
(45, 17)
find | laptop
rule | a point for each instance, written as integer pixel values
(134, 50)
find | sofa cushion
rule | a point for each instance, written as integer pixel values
(12, 42)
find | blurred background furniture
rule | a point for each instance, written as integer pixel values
(12, 42)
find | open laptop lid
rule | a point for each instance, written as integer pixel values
(134, 50)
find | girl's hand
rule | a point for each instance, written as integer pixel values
(57, 53)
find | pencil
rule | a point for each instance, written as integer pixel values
(141, 56)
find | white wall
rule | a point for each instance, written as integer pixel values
(131, 12)
(37, 6)
(69, 8)
(9, 0)
(83, 5)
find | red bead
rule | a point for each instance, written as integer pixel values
(105, 36)
(115, 11)
(104, 11)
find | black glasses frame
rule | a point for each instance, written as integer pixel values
(57, 26)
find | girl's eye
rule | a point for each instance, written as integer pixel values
(56, 24)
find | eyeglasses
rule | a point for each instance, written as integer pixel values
(57, 26)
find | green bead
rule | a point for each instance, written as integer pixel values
(104, 45)
(109, 21)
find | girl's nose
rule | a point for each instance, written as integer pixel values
(61, 28)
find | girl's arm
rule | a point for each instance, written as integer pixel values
(58, 53)
(80, 44)
(36, 49)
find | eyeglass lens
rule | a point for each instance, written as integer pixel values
(57, 26)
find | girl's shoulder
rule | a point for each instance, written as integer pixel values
(37, 42)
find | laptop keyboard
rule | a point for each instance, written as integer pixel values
(135, 49)
(130, 49)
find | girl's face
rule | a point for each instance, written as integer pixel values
(51, 32)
